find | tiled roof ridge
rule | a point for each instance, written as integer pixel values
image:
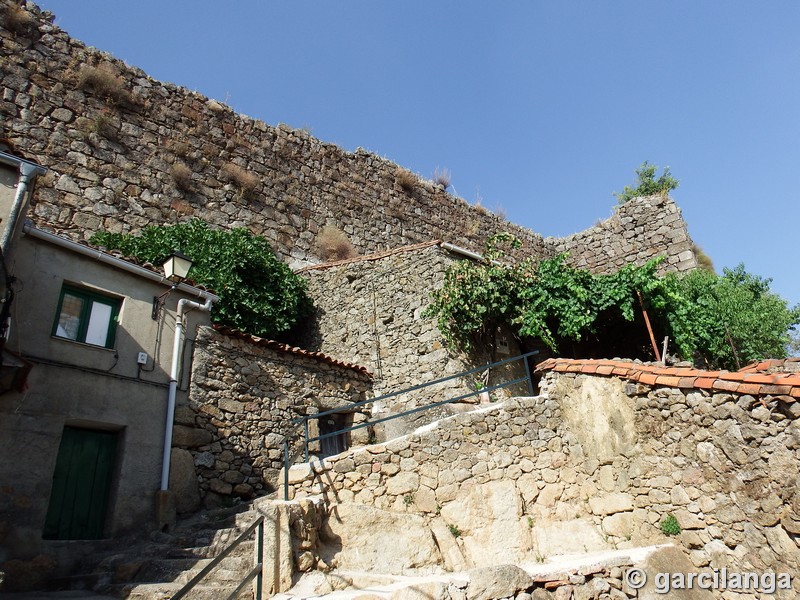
(281, 347)
(60, 232)
(741, 382)
(373, 256)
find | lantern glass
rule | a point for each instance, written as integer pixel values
(177, 266)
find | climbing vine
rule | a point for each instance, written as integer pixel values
(714, 319)
(258, 293)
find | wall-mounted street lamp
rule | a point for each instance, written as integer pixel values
(176, 268)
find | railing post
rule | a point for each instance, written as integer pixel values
(259, 591)
(305, 438)
(286, 469)
(528, 373)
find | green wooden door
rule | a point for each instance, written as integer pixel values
(81, 485)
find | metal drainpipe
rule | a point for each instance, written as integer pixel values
(28, 172)
(184, 305)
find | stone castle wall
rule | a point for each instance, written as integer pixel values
(125, 151)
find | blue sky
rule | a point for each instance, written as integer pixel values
(541, 109)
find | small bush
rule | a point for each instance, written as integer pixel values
(406, 179)
(246, 181)
(647, 184)
(332, 244)
(408, 499)
(670, 525)
(16, 19)
(105, 81)
(454, 530)
(442, 178)
(182, 175)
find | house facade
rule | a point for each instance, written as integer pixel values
(83, 422)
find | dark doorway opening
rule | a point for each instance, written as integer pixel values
(338, 443)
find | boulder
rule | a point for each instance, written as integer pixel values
(489, 519)
(183, 481)
(558, 538)
(365, 538)
(502, 581)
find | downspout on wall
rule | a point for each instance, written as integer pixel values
(28, 172)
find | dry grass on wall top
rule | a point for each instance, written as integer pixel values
(17, 19)
(332, 244)
(406, 179)
(105, 81)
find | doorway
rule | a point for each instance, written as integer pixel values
(81, 485)
(334, 444)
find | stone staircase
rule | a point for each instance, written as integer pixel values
(157, 568)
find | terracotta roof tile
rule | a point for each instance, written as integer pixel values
(753, 379)
(749, 388)
(281, 347)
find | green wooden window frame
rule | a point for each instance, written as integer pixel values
(76, 313)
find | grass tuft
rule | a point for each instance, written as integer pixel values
(442, 178)
(332, 244)
(105, 81)
(406, 179)
(182, 175)
(246, 181)
(17, 20)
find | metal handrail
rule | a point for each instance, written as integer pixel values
(255, 572)
(304, 420)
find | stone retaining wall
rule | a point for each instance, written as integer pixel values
(126, 151)
(595, 463)
(242, 400)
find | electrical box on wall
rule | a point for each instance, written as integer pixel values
(141, 358)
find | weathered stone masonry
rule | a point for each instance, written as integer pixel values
(245, 391)
(369, 312)
(597, 462)
(112, 163)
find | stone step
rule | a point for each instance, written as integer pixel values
(165, 591)
(181, 570)
(246, 548)
(349, 585)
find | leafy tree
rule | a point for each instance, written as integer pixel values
(258, 293)
(733, 319)
(647, 184)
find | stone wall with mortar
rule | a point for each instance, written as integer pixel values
(131, 151)
(368, 311)
(593, 464)
(242, 400)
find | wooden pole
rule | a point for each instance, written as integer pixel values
(649, 328)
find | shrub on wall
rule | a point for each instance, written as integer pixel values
(258, 293)
(647, 184)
